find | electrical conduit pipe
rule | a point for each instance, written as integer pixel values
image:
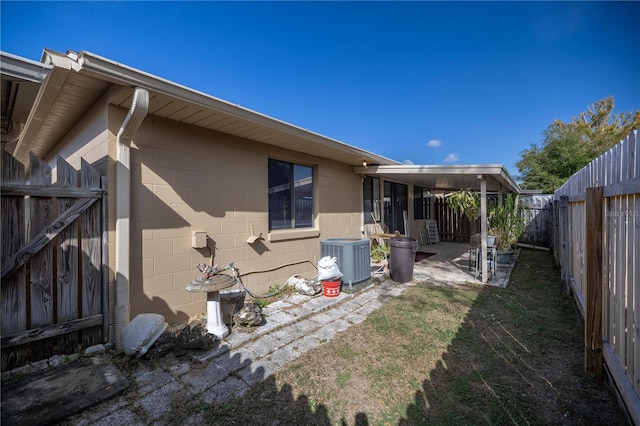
(137, 113)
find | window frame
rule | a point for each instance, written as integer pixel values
(294, 226)
(421, 202)
(373, 197)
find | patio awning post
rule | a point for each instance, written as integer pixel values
(483, 225)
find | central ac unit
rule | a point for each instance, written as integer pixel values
(353, 257)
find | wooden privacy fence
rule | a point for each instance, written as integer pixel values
(536, 209)
(451, 225)
(54, 260)
(596, 240)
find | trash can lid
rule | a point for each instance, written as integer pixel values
(403, 242)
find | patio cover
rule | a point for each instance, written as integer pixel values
(446, 178)
(482, 178)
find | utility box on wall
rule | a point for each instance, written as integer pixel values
(199, 239)
(353, 255)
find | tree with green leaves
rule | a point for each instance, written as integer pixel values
(568, 147)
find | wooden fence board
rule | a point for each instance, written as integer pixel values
(593, 284)
(633, 137)
(565, 266)
(634, 158)
(624, 387)
(625, 274)
(106, 318)
(49, 331)
(50, 191)
(91, 257)
(619, 276)
(67, 259)
(606, 293)
(41, 262)
(13, 314)
(45, 236)
(13, 301)
(636, 290)
(54, 295)
(536, 211)
(40, 266)
(452, 226)
(618, 171)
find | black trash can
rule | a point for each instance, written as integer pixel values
(403, 256)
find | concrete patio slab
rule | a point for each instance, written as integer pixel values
(450, 264)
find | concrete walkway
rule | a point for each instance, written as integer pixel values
(293, 326)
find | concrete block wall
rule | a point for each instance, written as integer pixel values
(185, 179)
(188, 179)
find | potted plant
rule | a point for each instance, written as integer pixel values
(465, 201)
(507, 224)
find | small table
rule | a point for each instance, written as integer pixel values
(212, 287)
(381, 236)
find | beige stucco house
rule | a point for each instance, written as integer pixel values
(182, 163)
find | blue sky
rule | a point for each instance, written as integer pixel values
(421, 82)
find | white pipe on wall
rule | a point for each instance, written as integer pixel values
(137, 113)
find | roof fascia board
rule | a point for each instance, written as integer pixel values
(511, 181)
(23, 69)
(46, 97)
(493, 170)
(465, 169)
(89, 63)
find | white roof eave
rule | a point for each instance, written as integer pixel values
(23, 68)
(89, 63)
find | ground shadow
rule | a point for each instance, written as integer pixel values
(526, 379)
(519, 348)
(516, 358)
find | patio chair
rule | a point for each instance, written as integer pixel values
(376, 233)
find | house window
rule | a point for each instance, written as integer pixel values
(290, 195)
(371, 199)
(421, 203)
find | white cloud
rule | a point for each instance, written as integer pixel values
(451, 158)
(434, 143)
(409, 162)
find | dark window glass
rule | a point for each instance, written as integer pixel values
(290, 195)
(371, 199)
(421, 203)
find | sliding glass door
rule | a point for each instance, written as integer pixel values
(395, 204)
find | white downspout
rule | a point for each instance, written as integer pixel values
(137, 113)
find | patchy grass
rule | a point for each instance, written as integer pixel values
(443, 355)
(274, 294)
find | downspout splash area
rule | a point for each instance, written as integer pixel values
(137, 113)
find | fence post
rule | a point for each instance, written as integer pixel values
(593, 290)
(554, 232)
(564, 243)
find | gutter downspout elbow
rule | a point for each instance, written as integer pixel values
(130, 125)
